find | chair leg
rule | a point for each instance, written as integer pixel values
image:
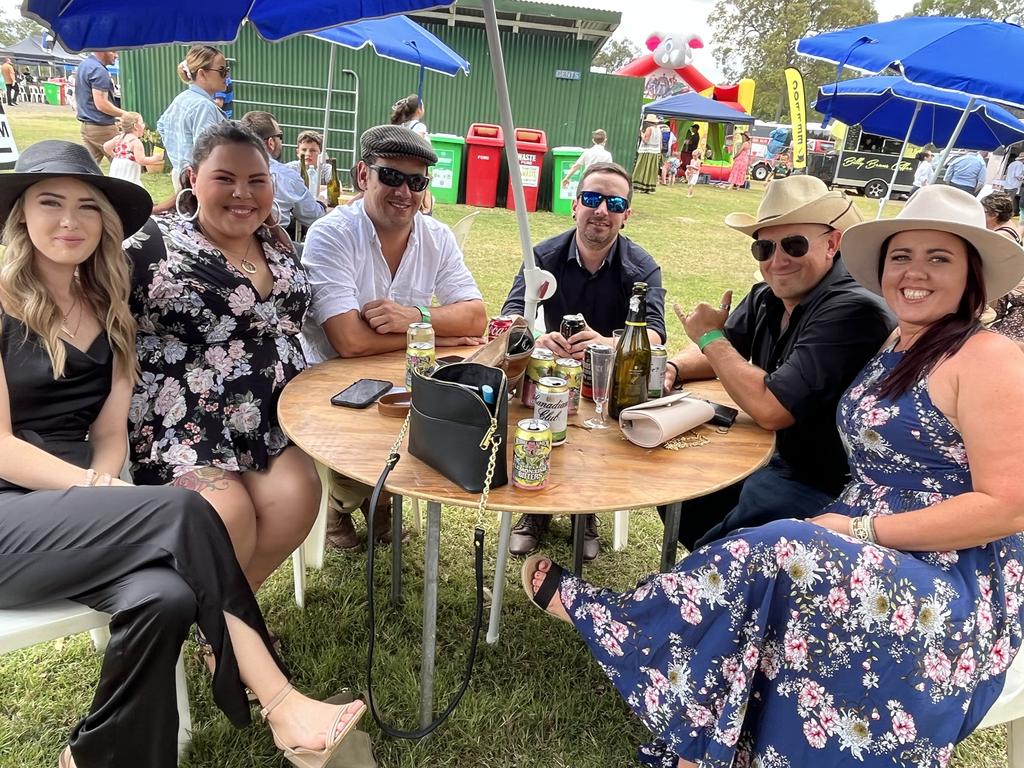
(100, 637)
(417, 522)
(317, 538)
(184, 711)
(620, 532)
(299, 575)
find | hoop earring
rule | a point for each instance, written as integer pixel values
(275, 215)
(177, 205)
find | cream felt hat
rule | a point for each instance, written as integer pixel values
(798, 200)
(946, 209)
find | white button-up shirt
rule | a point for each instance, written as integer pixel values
(293, 196)
(347, 270)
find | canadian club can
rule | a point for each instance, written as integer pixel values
(542, 363)
(571, 325)
(572, 371)
(498, 325)
(656, 380)
(551, 404)
(587, 387)
(531, 455)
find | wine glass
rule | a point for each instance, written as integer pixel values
(602, 364)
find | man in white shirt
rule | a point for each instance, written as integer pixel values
(374, 267)
(596, 154)
(293, 198)
(1012, 181)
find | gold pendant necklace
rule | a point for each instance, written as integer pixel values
(78, 326)
(248, 267)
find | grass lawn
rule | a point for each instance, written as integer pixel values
(536, 698)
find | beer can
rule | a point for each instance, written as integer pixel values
(551, 404)
(531, 455)
(656, 379)
(587, 388)
(498, 325)
(572, 371)
(571, 325)
(419, 356)
(542, 363)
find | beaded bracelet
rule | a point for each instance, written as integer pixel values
(90, 478)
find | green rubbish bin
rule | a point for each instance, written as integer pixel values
(445, 176)
(52, 93)
(562, 195)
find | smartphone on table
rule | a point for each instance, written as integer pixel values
(362, 393)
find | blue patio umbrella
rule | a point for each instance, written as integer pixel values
(962, 55)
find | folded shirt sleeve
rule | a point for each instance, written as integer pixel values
(329, 259)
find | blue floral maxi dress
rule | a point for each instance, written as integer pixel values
(789, 645)
(215, 355)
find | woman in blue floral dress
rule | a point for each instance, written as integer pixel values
(220, 300)
(880, 632)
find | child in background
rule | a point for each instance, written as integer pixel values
(126, 152)
(693, 171)
(673, 169)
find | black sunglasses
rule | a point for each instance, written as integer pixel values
(222, 71)
(794, 245)
(616, 204)
(390, 177)
(276, 136)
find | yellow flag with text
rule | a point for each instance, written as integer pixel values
(797, 116)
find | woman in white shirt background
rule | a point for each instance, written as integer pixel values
(923, 174)
(408, 113)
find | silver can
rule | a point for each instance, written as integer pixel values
(656, 380)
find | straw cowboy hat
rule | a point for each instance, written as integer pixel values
(798, 200)
(945, 209)
(649, 118)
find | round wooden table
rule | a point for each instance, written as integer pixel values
(594, 471)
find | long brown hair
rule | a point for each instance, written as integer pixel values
(943, 338)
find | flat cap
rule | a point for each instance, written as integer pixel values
(396, 141)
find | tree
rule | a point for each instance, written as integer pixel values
(756, 39)
(615, 54)
(982, 9)
(15, 28)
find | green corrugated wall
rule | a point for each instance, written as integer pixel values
(566, 109)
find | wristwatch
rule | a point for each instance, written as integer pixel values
(424, 314)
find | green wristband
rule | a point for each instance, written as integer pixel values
(424, 314)
(710, 337)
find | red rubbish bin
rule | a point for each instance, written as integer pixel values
(484, 143)
(531, 146)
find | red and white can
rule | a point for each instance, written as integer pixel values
(498, 325)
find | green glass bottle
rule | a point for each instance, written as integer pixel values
(632, 356)
(333, 186)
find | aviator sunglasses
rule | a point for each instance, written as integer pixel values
(389, 177)
(794, 245)
(615, 203)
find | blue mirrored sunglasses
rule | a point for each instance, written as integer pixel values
(615, 203)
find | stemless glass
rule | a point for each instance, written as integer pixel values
(602, 364)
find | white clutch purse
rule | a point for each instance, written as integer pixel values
(657, 421)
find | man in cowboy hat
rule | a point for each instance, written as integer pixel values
(785, 356)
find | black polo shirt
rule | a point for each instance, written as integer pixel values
(603, 297)
(831, 335)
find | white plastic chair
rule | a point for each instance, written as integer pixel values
(25, 627)
(462, 227)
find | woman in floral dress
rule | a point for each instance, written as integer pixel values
(740, 164)
(219, 301)
(879, 632)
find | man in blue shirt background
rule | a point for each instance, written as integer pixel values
(968, 172)
(95, 102)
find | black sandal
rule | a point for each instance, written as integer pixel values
(548, 588)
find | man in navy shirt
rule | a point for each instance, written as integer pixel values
(95, 102)
(595, 267)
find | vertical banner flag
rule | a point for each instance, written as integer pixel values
(797, 116)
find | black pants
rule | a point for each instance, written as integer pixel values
(770, 493)
(157, 559)
(12, 93)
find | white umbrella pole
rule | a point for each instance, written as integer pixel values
(533, 275)
(327, 120)
(952, 139)
(899, 161)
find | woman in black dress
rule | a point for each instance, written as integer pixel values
(156, 558)
(220, 296)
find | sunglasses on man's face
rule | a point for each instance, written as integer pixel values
(794, 245)
(616, 204)
(390, 177)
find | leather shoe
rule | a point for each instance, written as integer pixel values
(341, 534)
(526, 534)
(591, 539)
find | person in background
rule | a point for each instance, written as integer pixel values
(308, 147)
(95, 105)
(923, 172)
(740, 163)
(645, 171)
(1013, 179)
(226, 99)
(690, 143)
(408, 113)
(156, 558)
(693, 171)
(668, 150)
(126, 152)
(205, 71)
(968, 172)
(375, 267)
(293, 199)
(595, 267)
(999, 215)
(1007, 314)
(595, 154)
(10, 80)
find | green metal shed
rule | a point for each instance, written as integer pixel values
(547, 48)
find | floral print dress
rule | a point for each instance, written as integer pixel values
(788, 645)
(214, 354)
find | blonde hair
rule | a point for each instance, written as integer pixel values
(198, 57)
(128, 121)
(104, 281)
(599, 136)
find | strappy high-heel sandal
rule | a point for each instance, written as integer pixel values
(205, 654)
(314, 758)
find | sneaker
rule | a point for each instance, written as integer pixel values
(591, 538)
(526, 534)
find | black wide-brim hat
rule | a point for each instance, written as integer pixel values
(54, 159)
